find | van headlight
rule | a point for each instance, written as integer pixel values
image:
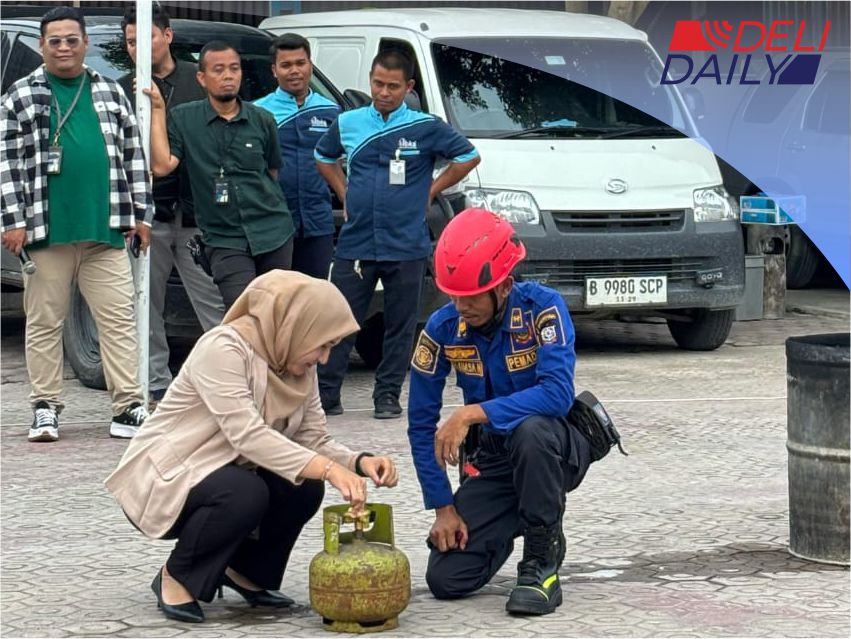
(518, 207)
(714, 205)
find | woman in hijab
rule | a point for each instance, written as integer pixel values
(233, 462)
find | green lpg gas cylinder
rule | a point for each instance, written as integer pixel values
(360, 582)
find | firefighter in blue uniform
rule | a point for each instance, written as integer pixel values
(302, 116)
(511, 345)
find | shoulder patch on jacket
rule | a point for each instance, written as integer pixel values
(425, 354)
(549, 327)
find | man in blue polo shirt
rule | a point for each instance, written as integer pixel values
(302, 117)
(391, 151)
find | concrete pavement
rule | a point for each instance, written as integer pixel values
(686, 537)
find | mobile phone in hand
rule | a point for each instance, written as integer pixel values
(135, 245)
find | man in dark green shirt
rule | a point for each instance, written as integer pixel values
(231, 152)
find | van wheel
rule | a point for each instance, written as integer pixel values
(82, 349)
(706, 331)
(802, 259)
(370, 341)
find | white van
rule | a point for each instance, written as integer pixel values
(622, 214)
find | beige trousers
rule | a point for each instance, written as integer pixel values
(103, 276)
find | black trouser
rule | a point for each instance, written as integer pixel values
(215, 528)
(233, 269)
(312, 255)
(403, 283)
(523, 481)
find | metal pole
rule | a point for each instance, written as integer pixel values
(141, 273)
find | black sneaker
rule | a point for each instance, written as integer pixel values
(126, 425)
(387, 407)
(45, 426)
(332, 406)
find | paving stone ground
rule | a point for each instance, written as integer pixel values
(686, 537)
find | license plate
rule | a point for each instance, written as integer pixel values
(626, 291)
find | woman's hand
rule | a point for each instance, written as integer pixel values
(380, 470)
(351, 486)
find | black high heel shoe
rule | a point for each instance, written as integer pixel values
(265, 598)
(189, 612)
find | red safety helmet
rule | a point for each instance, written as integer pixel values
(475, 252)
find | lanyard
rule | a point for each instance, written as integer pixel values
(225, 149)
(62, 119)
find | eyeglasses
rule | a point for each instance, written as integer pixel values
(72, 41)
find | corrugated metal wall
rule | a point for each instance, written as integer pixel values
(250, 12)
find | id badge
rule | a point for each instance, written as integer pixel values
(54, 160)
(397, 172)
(221, 191)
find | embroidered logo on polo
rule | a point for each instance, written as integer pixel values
(425, 354)
(522, 360)
(465, 359)
(319, 124)
(549, 327)
(407, 147)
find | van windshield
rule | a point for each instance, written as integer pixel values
(542, 88)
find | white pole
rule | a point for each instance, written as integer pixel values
(142, 271)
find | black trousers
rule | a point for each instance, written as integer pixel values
(403, 282)
(217, 525)
(312, 255)
(523, 481)
(233, 269)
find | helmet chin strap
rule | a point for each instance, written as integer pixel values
(489, 328)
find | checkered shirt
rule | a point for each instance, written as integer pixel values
(24, 138)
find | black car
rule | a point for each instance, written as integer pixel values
(107, 55)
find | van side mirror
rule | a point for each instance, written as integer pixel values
(356, 98)
(694, 103)
(412, 100)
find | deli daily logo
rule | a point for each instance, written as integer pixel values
(781, 43)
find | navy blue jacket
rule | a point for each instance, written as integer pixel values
(525, 369)
(299, 129)
(387, 222)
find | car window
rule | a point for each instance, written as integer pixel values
(825, 113)
(768, 100)
(108, 56)
(24, 58)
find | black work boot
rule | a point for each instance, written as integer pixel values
(538, 591)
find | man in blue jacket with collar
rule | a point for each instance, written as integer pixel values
(511, 345)
(302, 116)
(391, 152)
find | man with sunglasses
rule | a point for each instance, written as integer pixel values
(74, 187)
(174, 218)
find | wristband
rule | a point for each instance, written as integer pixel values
(327, 470)
(357, 463)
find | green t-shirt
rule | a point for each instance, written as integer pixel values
(78, 197)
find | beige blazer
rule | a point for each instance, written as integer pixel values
(210, 418)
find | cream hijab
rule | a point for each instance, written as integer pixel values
(285, 315)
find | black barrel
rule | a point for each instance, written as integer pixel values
(818, 443)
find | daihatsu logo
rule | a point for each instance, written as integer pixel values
(616, 186)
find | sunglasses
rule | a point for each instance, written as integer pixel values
(72, 41)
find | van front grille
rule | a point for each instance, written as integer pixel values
(574, 273)
(624, 221)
